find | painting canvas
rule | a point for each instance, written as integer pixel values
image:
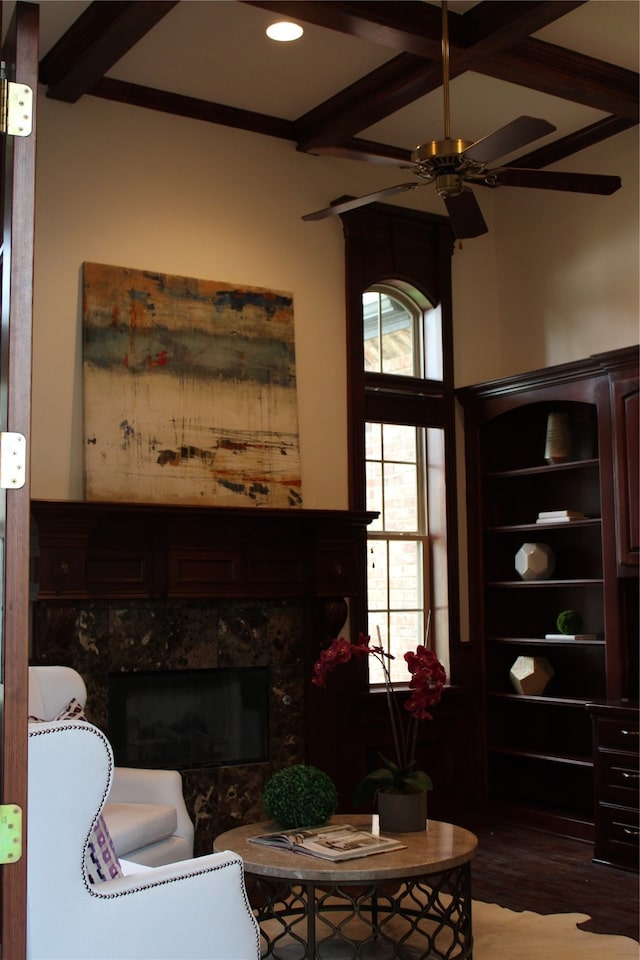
(189, 391)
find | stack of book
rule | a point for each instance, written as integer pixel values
(560, 516)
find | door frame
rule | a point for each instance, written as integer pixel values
(20, 53)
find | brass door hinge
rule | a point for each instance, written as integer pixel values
(10, 832)
(16, 108)
(13, 460)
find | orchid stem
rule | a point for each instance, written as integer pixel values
(391, 704)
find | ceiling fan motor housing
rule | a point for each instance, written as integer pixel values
(444, 152)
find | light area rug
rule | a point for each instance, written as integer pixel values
(501, 934)
(498, 934)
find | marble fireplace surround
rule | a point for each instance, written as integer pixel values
(130, 587)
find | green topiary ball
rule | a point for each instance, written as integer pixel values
(569, 621)
(300, 796)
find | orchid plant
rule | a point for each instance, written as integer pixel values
(427, 679)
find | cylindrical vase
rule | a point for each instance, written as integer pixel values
(403, 812)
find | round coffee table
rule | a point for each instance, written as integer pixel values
(414, 902)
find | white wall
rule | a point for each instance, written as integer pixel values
(569, 287)
(137, 188)
(561, 276)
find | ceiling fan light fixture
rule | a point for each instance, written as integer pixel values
(284, 31)
(449, 185)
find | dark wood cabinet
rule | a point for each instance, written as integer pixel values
(626, 436)
(616, 737)
(538, 749)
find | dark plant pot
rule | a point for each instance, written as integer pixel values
(402, 812)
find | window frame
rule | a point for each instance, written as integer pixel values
(401, 249)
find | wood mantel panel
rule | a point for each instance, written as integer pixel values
(98, 550)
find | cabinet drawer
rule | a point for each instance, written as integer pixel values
(196, 572)
(618, 836)
(617, 734)
(61, 572)
(276, 571)
(118, 573)
(618, 778)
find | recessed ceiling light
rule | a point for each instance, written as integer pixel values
(284, 30)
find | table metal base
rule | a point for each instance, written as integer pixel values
(418, 918)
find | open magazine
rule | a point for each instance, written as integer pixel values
(337, 842)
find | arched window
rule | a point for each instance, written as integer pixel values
(401, 426)
(402, 332)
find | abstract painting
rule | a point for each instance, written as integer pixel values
(189, 391)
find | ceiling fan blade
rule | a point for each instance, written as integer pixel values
(556, 180)
(338, 208)
(511, 137)
(465, 215)
(396, 157)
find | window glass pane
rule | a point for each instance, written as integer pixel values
(400, 496)
(433, 344)
(406, 630)
(390, 335)
(405, 574)
(438, 538)
(397, 330)
(377, 575)
(371, 331)
(399, 443)
(373, 441)
(374, 494)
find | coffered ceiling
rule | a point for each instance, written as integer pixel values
(366, 77)
(363, 73)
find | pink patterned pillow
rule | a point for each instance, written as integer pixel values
(100, 858)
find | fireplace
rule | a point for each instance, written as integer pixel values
(189, 719)
(125, 590)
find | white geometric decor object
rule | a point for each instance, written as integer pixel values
(531, 675)
(535, 561)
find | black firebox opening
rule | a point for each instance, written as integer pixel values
(189, 719)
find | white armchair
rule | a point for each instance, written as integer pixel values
(145, 811)
(194, 909)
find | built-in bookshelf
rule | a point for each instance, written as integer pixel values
(537, 748)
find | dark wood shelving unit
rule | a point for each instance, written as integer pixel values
(538, 750)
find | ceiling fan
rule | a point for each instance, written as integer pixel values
(452, 164)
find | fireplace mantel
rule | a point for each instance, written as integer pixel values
(88, 550)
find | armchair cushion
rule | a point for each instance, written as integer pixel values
(135, 825)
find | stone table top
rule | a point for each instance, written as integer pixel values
(441, 846)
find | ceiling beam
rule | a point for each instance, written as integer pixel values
(101, 35)
(372, 98)
(578, 140)
(564, 73)
(192, 107)
(494, 25)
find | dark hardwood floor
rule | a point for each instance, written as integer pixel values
(528, 870)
